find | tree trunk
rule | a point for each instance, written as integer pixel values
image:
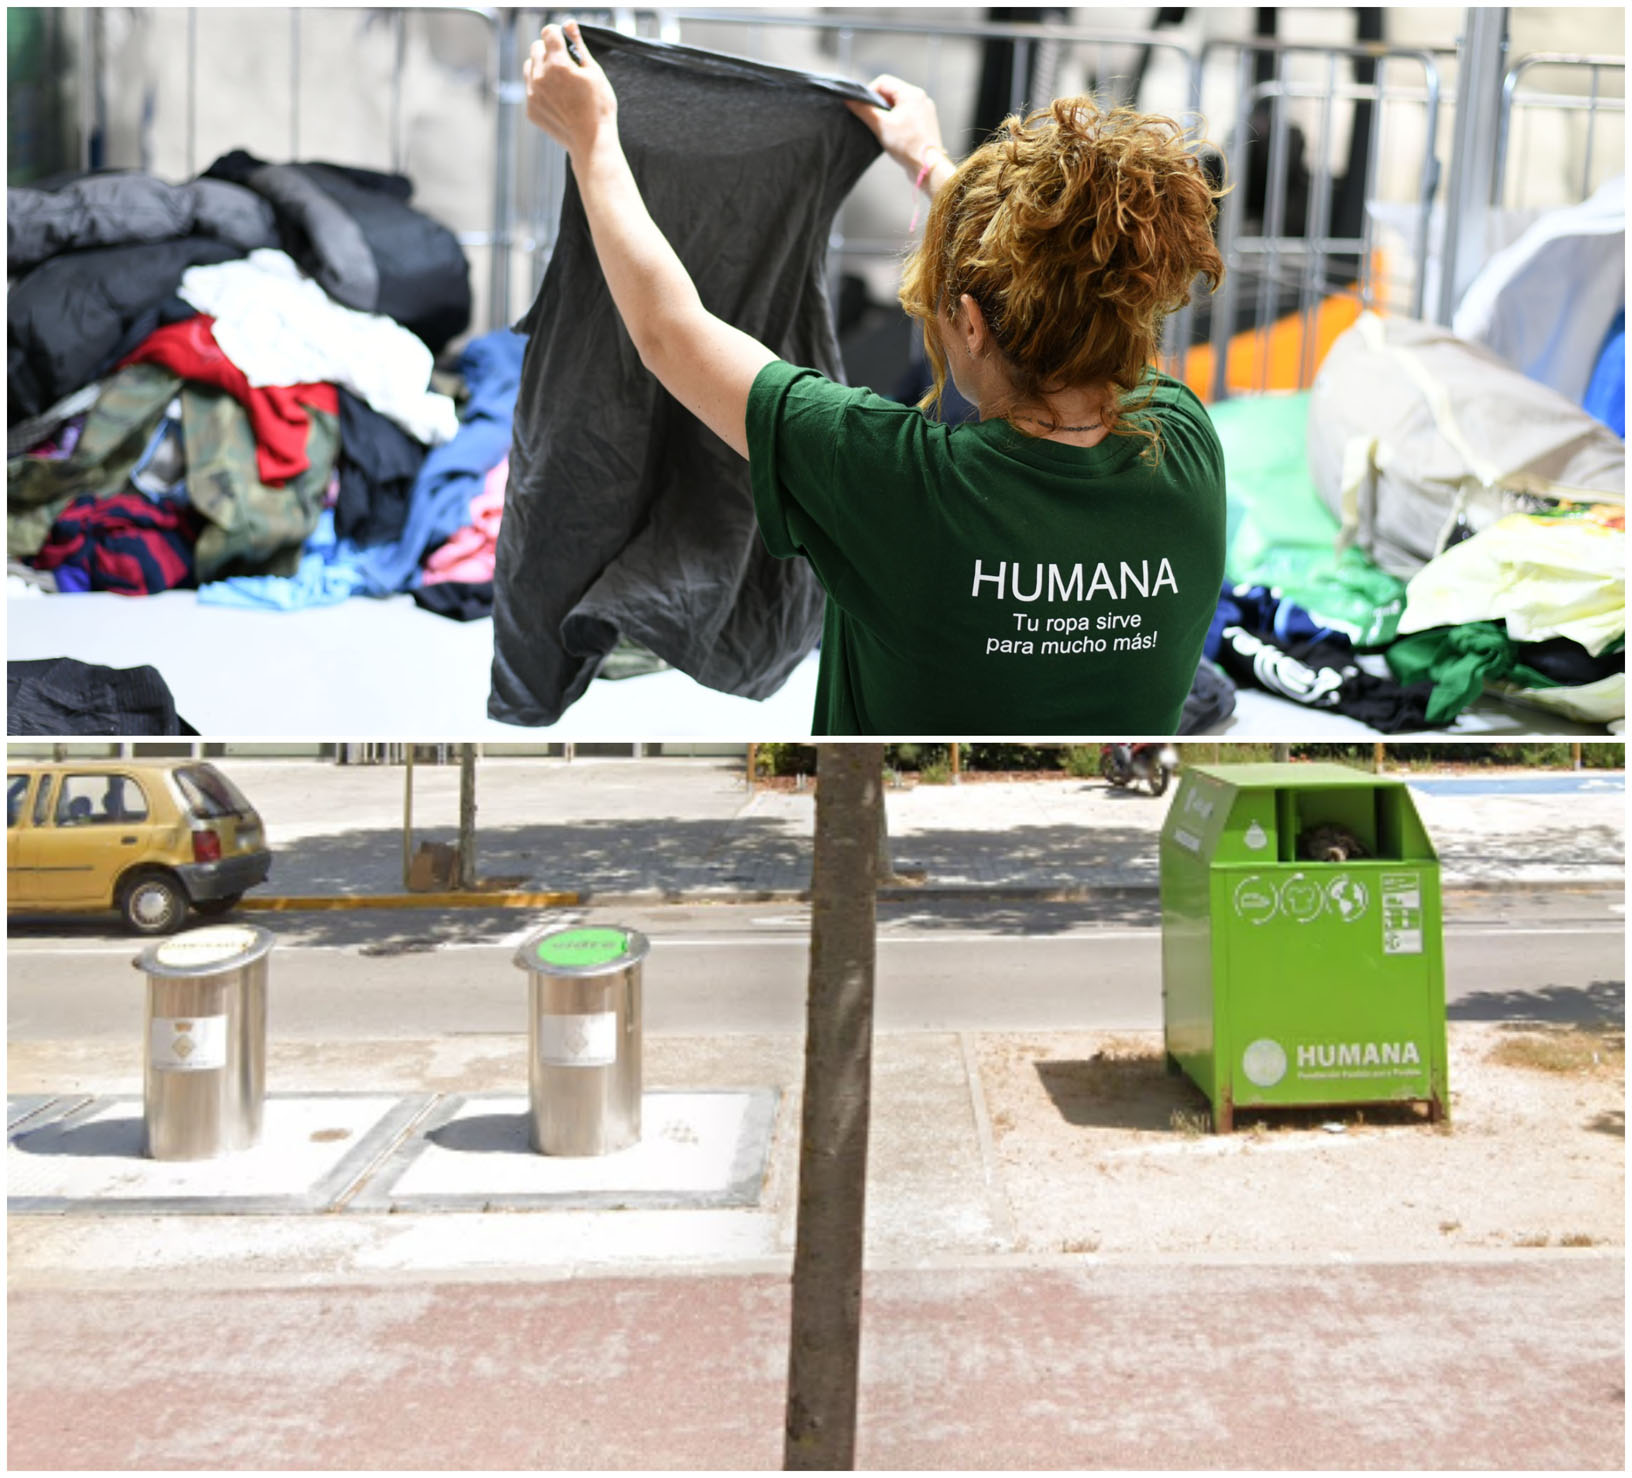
(825, 1338)
(467, 816)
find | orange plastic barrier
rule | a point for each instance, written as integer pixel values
(1273, 360)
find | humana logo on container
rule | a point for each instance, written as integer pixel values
(1359, 1054)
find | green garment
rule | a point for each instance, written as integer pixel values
(250, 528)
(1458, 660)
(115, 435)
(1274, 507)
(1282, 535)
(1349, 594)
(980, 579)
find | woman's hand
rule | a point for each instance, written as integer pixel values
(911, 131)
(572, 101)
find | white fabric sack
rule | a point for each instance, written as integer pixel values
(1414, 432)
(1545, 303)
(280, 328)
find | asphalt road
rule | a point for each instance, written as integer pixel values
(980, 965)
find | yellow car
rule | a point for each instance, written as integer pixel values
(147, 837)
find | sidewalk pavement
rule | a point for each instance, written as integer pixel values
(640, 831)
(1407, 1367)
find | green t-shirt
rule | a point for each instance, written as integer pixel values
(982, 581)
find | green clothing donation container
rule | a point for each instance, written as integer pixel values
(1290, 979)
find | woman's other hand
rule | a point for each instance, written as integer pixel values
(911, 130)
(571, 100)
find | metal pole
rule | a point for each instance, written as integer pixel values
(294, 84)
(508, 94)
(192, 91)
(1269, 284)
(1472, 182)
(1316, 223)
(1222, 306)
(399, 151)
(753, 766)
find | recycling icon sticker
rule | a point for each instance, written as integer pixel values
(1302, 898)
(1347, 897)
(1255, 899)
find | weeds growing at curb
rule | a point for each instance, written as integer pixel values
(1191, 1123)
(1595, 1051)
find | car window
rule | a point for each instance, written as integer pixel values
(100, 800)
(209, 792)
(42, 801)
(16, 795)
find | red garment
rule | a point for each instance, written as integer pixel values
(276, 412)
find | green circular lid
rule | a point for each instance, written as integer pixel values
(579, 949)
(582, 950)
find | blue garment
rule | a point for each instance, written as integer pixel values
(1606, 391)
(1262, 611)
(453, 473)
(326, 577)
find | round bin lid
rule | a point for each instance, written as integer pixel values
(209, 951)
(598, 950)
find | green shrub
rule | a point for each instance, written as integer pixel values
(786, 759)
(937, 773)
(1082, 760)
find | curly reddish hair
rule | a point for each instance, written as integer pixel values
(1077, 230)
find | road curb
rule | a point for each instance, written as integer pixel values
(940, 893)
(301, 903)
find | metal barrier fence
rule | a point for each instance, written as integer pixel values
(1286, 262)
(1269, 105)
(1600, 155)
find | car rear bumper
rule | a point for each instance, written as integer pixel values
(207, 880)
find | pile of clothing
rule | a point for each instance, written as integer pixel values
(228, 384)
(1443, 516)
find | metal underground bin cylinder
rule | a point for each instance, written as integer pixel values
(204, 1070)
(583, 1038)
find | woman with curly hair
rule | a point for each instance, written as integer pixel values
(1048, 569)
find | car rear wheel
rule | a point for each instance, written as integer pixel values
(153, 903)
(214, 906)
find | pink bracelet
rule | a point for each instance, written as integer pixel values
(918, 184)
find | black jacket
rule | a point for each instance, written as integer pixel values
(124, 208)
(354, 231)
(72, 318)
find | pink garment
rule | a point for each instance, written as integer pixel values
(469, 555)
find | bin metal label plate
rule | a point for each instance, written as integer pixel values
(1402, 913)
(577, 948)
(187, 1044)
(589, 1039)
(213, 946)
